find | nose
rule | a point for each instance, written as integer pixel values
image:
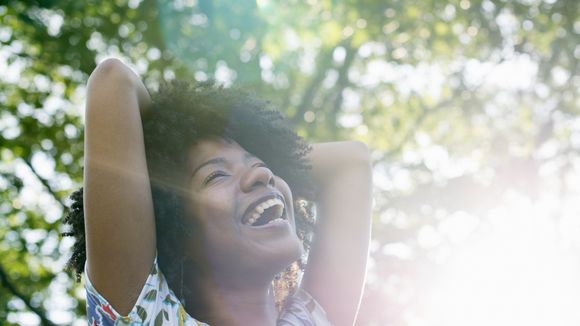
(257, 177)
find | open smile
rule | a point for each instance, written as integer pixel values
(269, 209)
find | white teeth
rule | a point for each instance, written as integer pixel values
(265, 205)
(276, 220)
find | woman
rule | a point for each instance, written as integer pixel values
(193, 210)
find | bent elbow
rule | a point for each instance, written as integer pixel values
(361, 152)
(111, 70)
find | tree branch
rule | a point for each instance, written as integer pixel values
(312, 87)
(5, 281)
(341, 83)
(44, 182)
(425, 113)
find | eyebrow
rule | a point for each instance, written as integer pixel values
(220, 161)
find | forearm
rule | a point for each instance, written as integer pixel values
(337, 261)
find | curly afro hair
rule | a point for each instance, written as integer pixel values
(182, 114)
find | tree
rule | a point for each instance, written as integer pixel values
(462, 103)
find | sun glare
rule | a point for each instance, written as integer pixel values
(519, 270)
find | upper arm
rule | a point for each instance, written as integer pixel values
(336, 266)
(118, 207)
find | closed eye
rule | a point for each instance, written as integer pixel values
(216, 174)
(212, 176)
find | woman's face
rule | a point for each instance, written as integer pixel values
(246, 212)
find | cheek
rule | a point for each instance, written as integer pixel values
(207, 208)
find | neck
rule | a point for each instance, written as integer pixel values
(253, 306)
(229, 300)
(235, 303)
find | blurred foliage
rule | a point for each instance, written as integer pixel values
(486, 87)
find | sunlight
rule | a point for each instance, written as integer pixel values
(518, 271)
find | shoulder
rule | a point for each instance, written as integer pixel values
(156, 304)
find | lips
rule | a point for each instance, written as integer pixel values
(252, 206)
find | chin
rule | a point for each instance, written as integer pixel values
(287, 255)
(275, 258)
(260, 259)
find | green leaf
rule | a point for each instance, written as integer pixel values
(159, 318)
(142, 313)
(151, 295)
(169, 300)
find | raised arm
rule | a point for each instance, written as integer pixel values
(118, 208)
(336, 266)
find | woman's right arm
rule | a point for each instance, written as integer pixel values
(118, 207)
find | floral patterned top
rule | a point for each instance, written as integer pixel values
(158, 305)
